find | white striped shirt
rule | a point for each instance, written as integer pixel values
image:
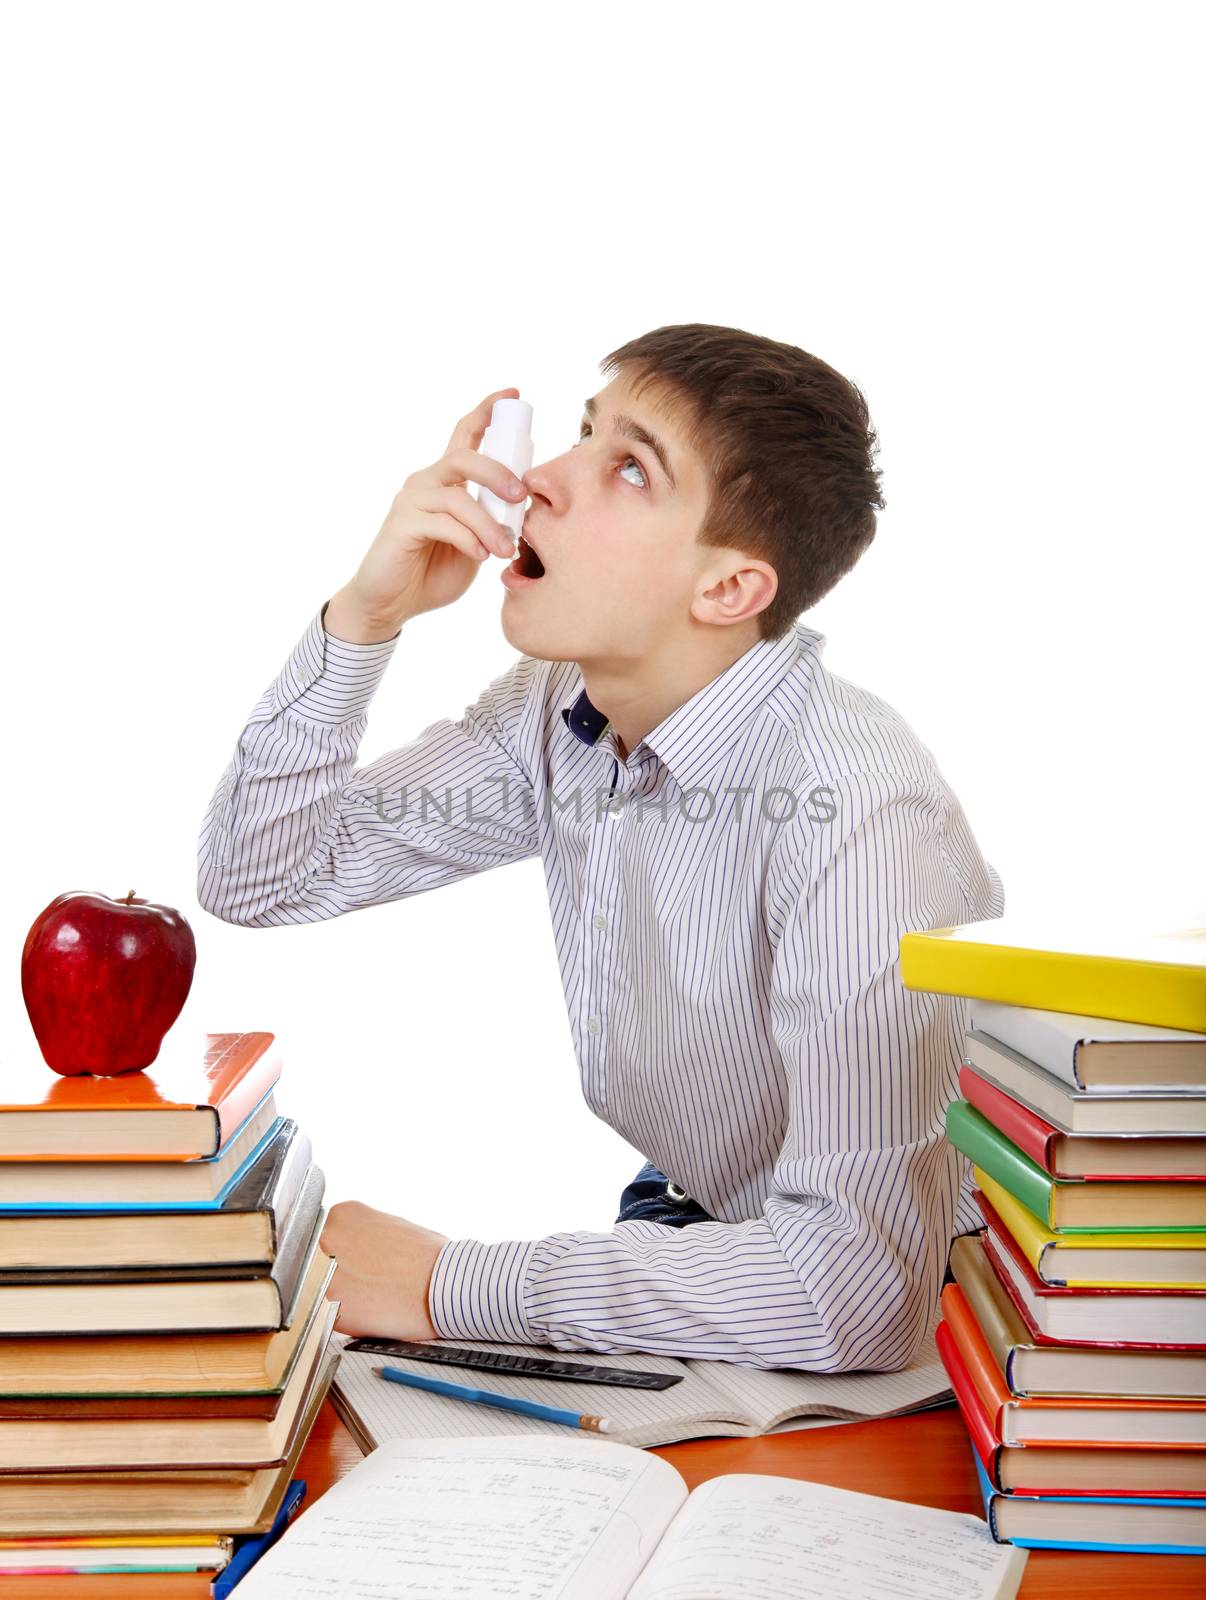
(727, 929)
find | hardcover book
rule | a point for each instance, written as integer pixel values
(1031, 1362)
(1120, 974)
(1156, 1157)
(166, 1299)
(1077, 1205)
(1068, 1469)
(1155, 1421)
(1099, 1260)
(71, 1442)
(1080, 1110)
(81, 1185)
(1094, 1053)
(119, 1366)
(184, 1106)
(1094, 1522)
(38, 1558)
(1143, 1315)
(237, 1500)
(102, 1406)
(245, 1228)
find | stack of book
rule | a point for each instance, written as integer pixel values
(164, 1326)
(1074, 1332)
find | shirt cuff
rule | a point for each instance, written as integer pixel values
(330, 680)
(477, 1291)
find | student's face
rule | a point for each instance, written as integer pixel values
(617, 538)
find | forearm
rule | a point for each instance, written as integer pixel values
(825, 1286)
(295, 832)
(711, 1290)
(277, 803)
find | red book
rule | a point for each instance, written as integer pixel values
(1062, 1154)
(1068, 1469)
(1030, 1132)
(183, 1107)
(1108, 1421)
(1104, 1316)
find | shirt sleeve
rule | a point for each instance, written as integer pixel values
(843, 1268)
(295, 832)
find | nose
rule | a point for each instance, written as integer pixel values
(541, 483)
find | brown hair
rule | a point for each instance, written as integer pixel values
(788, 444)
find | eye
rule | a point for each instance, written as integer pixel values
(644, 483)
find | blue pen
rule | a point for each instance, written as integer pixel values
(487, 1397)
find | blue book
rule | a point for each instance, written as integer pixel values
(1093, 1521)
(138, 1186)
(248, 1551)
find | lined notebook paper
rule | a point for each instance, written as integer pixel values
(440, 1519)
(714, 1398)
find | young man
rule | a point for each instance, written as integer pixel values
(734, 841)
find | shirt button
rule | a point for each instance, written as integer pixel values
(592, 1024)
(600, 921)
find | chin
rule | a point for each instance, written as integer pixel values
(536, 640)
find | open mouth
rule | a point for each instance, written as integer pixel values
(527, 563)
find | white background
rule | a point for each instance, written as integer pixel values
(258, 260)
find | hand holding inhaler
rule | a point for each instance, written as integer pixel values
(436, 534)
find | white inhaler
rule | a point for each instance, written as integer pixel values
(508, 439)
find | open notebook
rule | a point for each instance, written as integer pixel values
(429, 1519)
(714, 1397)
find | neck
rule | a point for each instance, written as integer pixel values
(636, 696)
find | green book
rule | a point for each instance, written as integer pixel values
(1076, 1205)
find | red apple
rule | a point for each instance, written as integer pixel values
(104, 980)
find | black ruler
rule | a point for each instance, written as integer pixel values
(516, 1366)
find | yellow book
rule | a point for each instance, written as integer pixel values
(1129, 976)
(110, 1541)
(1098, 1260)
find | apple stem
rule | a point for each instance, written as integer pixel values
(129, 896)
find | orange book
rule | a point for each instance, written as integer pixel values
(184, 1107)
(1100, 1421)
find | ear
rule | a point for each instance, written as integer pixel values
(736, 595)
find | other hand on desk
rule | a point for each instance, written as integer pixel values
(383, 1269)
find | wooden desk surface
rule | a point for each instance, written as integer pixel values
(923, 1458)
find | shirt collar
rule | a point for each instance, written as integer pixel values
(695, 735)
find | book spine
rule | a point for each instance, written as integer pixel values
(298, 1243)
(1120, 1549)
(1010, 1224)
(983, 1440)
(247, 1091)
(993, 1310)
(1032, 1035)
(975, 1137)
(989, 1496)
(1033, 1136)
(978, 1360)
(287, 1192)
(993, 1251)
